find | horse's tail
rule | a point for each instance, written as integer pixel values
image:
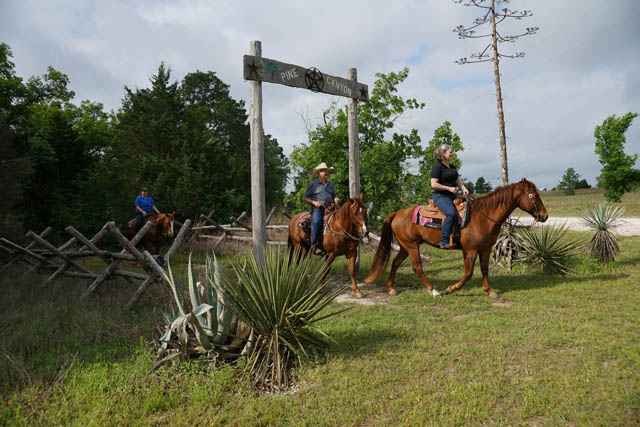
(290, 246)
(384, 249)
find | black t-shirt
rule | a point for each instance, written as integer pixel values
(447, 176)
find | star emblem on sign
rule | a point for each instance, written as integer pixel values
(314, 79)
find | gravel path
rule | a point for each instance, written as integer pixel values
(627, 227)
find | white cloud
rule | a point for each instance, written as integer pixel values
(579, 69)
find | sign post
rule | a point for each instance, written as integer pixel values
(258, 204)
(354, 150)
(257, 69)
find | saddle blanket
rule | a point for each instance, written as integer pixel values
(425, 221)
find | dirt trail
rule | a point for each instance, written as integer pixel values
(627, 227)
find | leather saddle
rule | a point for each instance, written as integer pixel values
(306, 219)
(431, 211)
(430, 216)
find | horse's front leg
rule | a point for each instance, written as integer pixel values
(351, 262)
(469, 261)
(327, 265)
(485, 256)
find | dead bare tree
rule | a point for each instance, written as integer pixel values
(491, 53)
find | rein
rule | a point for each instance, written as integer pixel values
(473, 199)
(345, 234)
(501, 224)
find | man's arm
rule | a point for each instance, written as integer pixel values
(155, 209)
(307, 196)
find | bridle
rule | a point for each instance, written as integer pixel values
(531, 197)
(346, 235)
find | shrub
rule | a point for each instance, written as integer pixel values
(602, 219)
(281, 302)
(207, 326)
(548, 248)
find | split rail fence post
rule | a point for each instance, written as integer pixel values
(154, 276)
(129, 246)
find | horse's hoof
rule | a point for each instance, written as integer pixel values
(494, 295)
(393, 292)
(359, 295)
(448, 291)
(436, 294)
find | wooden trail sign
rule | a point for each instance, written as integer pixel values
(269, 70)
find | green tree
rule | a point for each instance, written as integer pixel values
(582, 184)
(482, 186)
(380, 145)
(569, 181)
(189, 142)
(617, 174)
(13, 171)
(470, 186)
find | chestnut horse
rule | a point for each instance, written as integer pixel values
(488, 213)
(155, 237)
(343, 232)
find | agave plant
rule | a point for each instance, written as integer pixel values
(548, 248)
(281, 301)
(602, 219)
(207, 324)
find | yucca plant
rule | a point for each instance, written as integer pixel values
(207, 325)
(548, 248)
(602, 219)
(281, 301)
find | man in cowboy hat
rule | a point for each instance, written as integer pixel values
(320, 194)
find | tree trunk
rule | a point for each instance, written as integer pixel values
(496, 72)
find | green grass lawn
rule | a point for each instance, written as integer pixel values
(552, 351)
(560, 204)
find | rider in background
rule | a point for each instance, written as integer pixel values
(145, 206)
(320, 194)
(445, 182)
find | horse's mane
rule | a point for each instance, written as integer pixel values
(500, 196)
(343, 211)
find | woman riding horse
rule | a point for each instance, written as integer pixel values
(445, 182)
(488, 213)
(145, 206)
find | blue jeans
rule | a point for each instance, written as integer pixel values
(444, 202)
(139, 220)
(318, 213)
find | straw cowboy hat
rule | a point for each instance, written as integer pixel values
(322, 166)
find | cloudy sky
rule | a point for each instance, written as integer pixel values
(582, 66)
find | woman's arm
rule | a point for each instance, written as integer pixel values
(462, 187)
(437, 186)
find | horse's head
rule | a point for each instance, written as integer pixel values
(531, 202)
(165, 222)
(359, 215)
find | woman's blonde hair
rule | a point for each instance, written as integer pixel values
(439, 152)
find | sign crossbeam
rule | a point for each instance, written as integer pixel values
(269, 70)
